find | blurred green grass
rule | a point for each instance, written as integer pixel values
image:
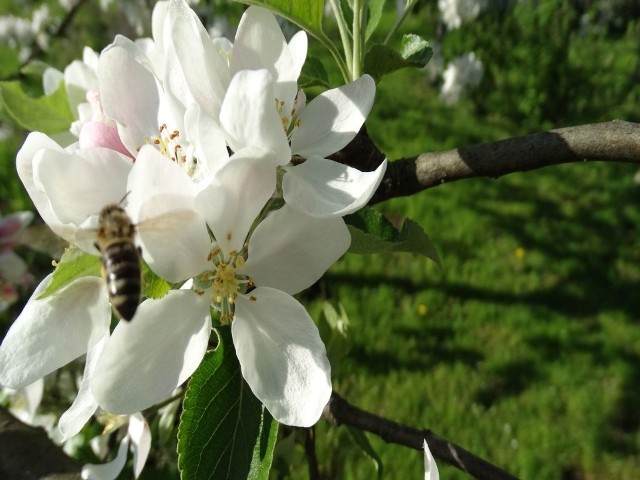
(525, 347)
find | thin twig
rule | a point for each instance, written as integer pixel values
(310, 451)
(339, 411)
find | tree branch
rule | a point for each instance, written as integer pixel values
(339, 411)
(26, 453)
(614, 141)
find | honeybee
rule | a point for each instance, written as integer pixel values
(121, 265)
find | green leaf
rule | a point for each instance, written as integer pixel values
(362, 441)
(74, 264)
(9, 61)
(375, 14)
(334, 331)
(381, 60)
(415, 50)
(152, 285)
(225, 432)
(372, 232)
(313, 74)
(308, 14)
(48, 114)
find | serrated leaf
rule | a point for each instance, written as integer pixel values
(308, 14)
(74, 264)
(372, 232)
(375, 14)
(313, 74)
(152, 285)
(225, 432)
(381, 60)
(48, 114)
(359, 437)
(415, 50)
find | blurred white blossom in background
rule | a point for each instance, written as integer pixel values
(462, 73)
(456, 12)
(19, 32)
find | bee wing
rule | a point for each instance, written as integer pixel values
(42, 239)
(86, 235)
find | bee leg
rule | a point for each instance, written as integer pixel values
(95, 244)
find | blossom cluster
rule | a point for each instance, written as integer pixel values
(194, 136)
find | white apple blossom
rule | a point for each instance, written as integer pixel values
(319, 187)
(456, 12)
(249, 277)
(69, 189)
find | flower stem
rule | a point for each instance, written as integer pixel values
(405, 13)
(346, 42)
(358, 39)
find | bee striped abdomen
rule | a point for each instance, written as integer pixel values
(120, 260)
(121, 263)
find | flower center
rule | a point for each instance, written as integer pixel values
(289, 119)
(223, 283)
(169, 144)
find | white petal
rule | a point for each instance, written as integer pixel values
(173, 236)
(129, 95)
(51, 332)
(282, 356)
(153, 174)
(145, 360)
(260, 44)
(79, 78)
(81, 184)
(84, 405)
(321, 188)
(140, 435)
(430, 467)
(109, 470)
(175, 244)
(236, 195)
(331, 120)
(51, 79)
(291, 251)
(249, 116)
(298, 50)
(205, 68)
(34, 143)
(208, 138)
(33, 396)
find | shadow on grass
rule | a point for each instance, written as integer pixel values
(434, 347)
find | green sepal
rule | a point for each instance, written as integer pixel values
(372, 232)
(73, 265)
(381, 60)
(47, 114)
(225, 432)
